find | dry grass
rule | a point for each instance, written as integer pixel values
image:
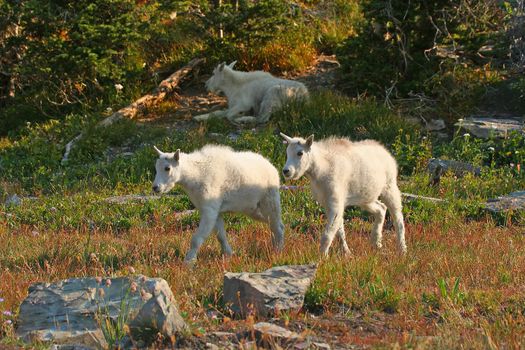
(371, 298)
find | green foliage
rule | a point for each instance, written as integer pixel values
(327, 114)
(429, 47)
(450, 293)
(73, 55)
(338, 21)
(264, 34)
(412, 152)
(113, 329)
(493, 152)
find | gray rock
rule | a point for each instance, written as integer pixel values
(131, 198)
(66, 312)
(412, 197)
(512, 201)
(212, 346)
(438, 167)
(308, 344)
(135, 198)
(224, 335)
(70, 347)
(486, 127)
(13, 200)
(270, 333)
(435, 125)
(278, 288)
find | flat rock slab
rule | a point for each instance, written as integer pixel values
(412, 197)
(486, 127)
(66, 312)
(512, 201)
(131, 198)
(268, 334)
(277, 289)
(16, 200)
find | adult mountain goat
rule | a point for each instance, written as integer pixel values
(218, 179)
(344, 173)
(258, 92)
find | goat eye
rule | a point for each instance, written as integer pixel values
(167, 168)
(300, 153)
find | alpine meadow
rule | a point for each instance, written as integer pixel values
(109, 180)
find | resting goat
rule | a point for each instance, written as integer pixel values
(258, 92)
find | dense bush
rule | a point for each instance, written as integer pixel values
(269, 34)
(430, 47)
(73, 54)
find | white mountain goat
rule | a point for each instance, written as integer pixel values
(344, 173)
(258, 92)
(218, 179)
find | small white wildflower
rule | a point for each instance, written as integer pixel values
(460, 120)
(517, 152)
(491, 149)
(512, 165)
(109, 109)
(119, 87)
(424, 138)
(466, 134)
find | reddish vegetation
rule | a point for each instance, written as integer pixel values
(369, 298)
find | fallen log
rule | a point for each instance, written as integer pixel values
(140, 105)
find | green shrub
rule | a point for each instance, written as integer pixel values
(401, 45)
(72, 55)
(327, 113)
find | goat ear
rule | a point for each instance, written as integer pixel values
(158, 151)
(309, 141)
(176, 155)
(221, 66)
(287, 138)
(232, 64)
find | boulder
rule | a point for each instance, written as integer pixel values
(486, 127)
(512, 201)
(277, 289)
(437, 167)
(68, 312)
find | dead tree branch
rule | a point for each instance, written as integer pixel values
(139, 106)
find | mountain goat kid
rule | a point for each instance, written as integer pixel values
(258, 92)
(218, 179)
(344, 173)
